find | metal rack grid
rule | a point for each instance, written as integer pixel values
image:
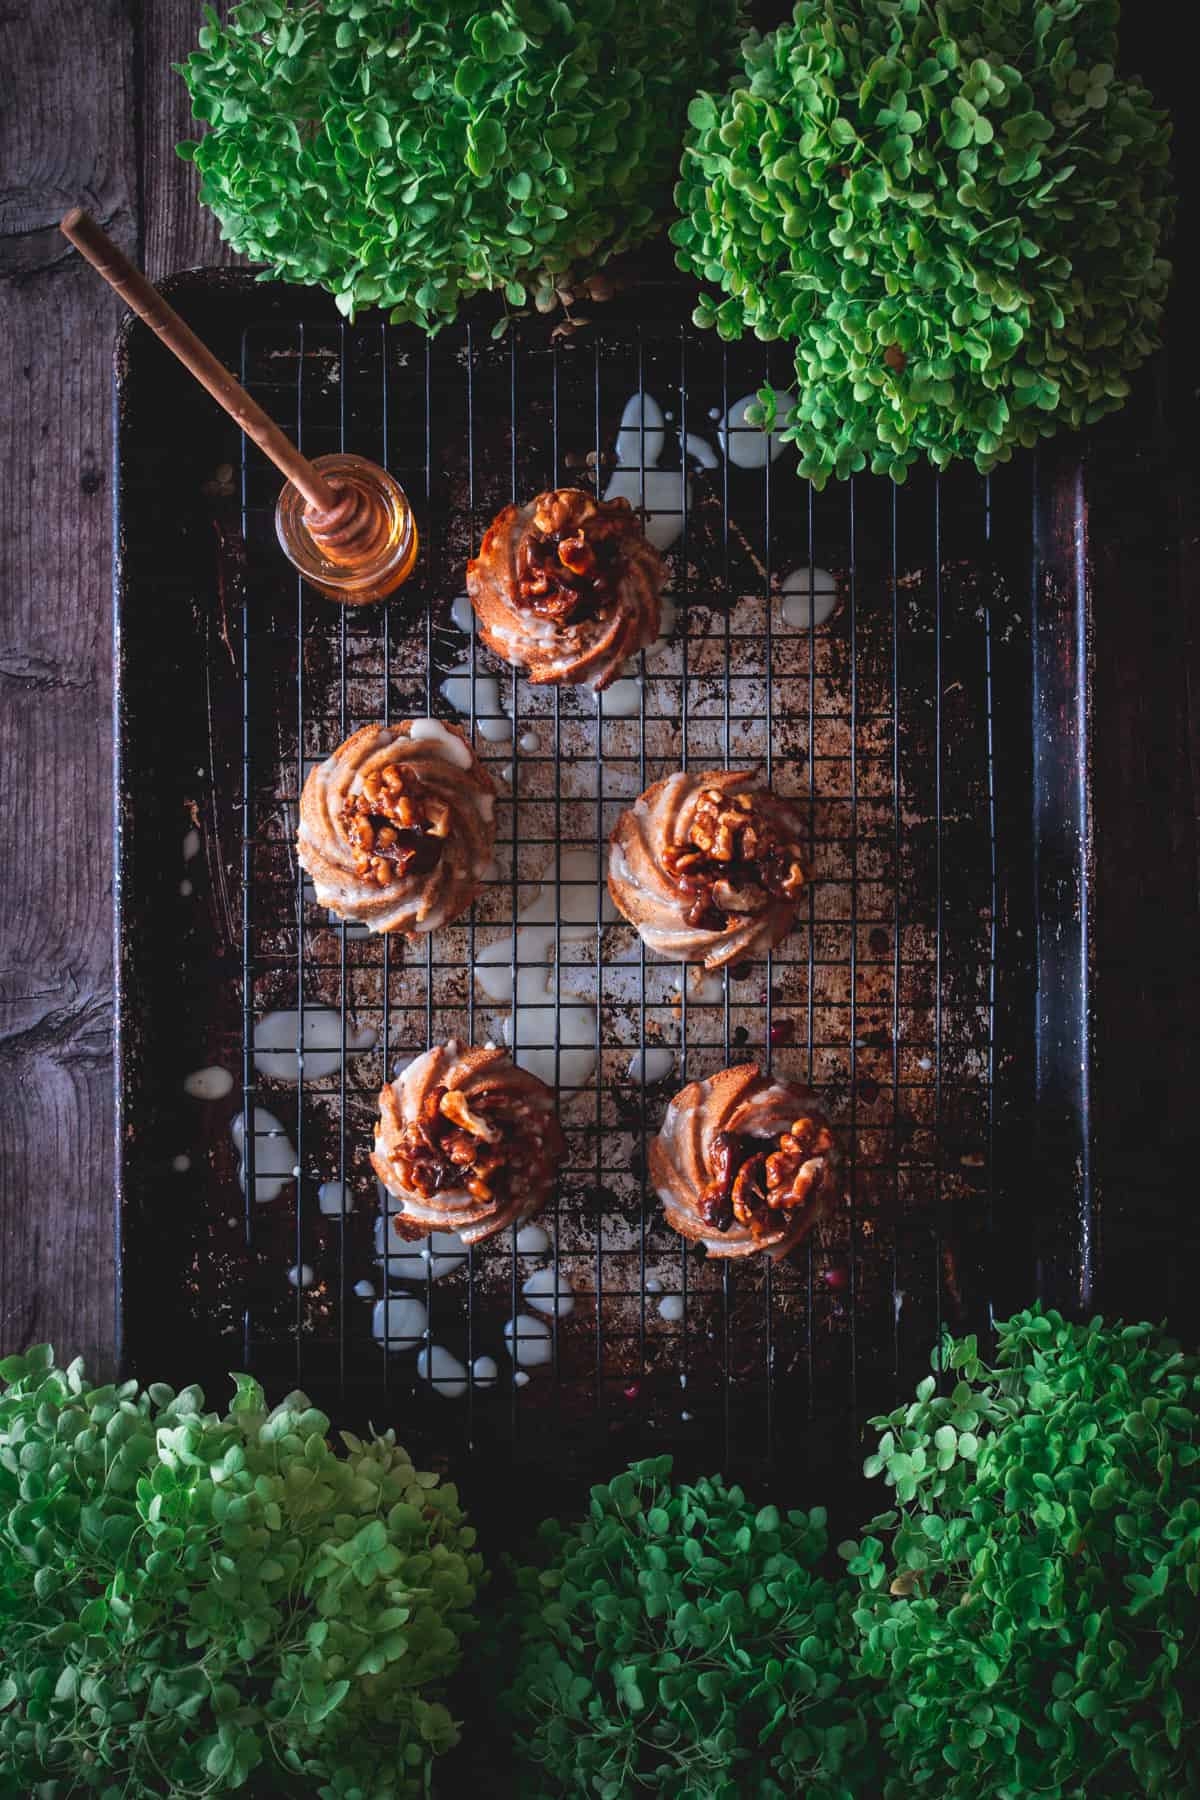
(882, 998)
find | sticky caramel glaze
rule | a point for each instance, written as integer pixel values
(446, 800)
(466, 1142)
(567, 587)
(698, 814)
(738, 1120)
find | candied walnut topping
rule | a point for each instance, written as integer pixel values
(732, 862)
(394, 827)
(750, 1180)
(569, 554)
(456, 1143)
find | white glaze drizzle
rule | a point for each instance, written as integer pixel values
(528, 1341)
(748, 446)
(549, 1291)
(276, 1034)
(208, 1084)
(274, 1154)
(798, 607)
(399, 1322)
(446, 1375)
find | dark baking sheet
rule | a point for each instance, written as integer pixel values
(937, 996)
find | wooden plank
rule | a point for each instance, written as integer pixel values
(178, 233)
(70, 140)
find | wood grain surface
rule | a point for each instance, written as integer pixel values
(98, 116)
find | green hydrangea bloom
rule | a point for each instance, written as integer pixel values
(681, 1641)
(954, 211)
(191, 1602)
(408, 153)
(1030, 1611)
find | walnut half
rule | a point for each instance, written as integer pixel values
(456, 1108)
(394, 828)
(732, 861)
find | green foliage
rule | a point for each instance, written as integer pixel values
(191, 1602)
(408, 154)
(954, 212)
(679, 1641)
(1031, 1608)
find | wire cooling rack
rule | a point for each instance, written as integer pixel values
(878, 720)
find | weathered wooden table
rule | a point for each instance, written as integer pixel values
(93, 120)
(98, 117)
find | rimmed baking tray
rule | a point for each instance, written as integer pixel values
(933, 727)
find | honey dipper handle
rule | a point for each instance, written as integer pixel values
(148, 304)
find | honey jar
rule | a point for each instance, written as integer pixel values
(365, 547)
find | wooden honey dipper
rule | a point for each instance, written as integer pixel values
(343, 522)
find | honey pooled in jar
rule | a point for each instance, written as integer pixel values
(362, 549)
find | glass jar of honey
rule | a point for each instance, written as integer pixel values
(362, 550)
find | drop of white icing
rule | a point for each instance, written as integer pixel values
(670, 1307)
(484, 1371)
(533, 1240)
(530, 1030)
(548, 1294)
(399, 1322)
(301, 1275)
(623, 700)
(701, 450)
(274, 1154)
(181, 1164)
(528, 1341)
(365, 1290)
(642, 435)
(748, 446)
(208, 1084)
(528, 742)
(664, 494)
(191, 845)
(451, 746)
(653, 1284)
(493, 971)
(799, 607)
(275, 1037)
(650, 1065)
(520, 1379)
(705, 988)
(186, 889)
(444, 1372)
(428, 1258)
(333, 1197)
(491, 721)
(462, 612)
